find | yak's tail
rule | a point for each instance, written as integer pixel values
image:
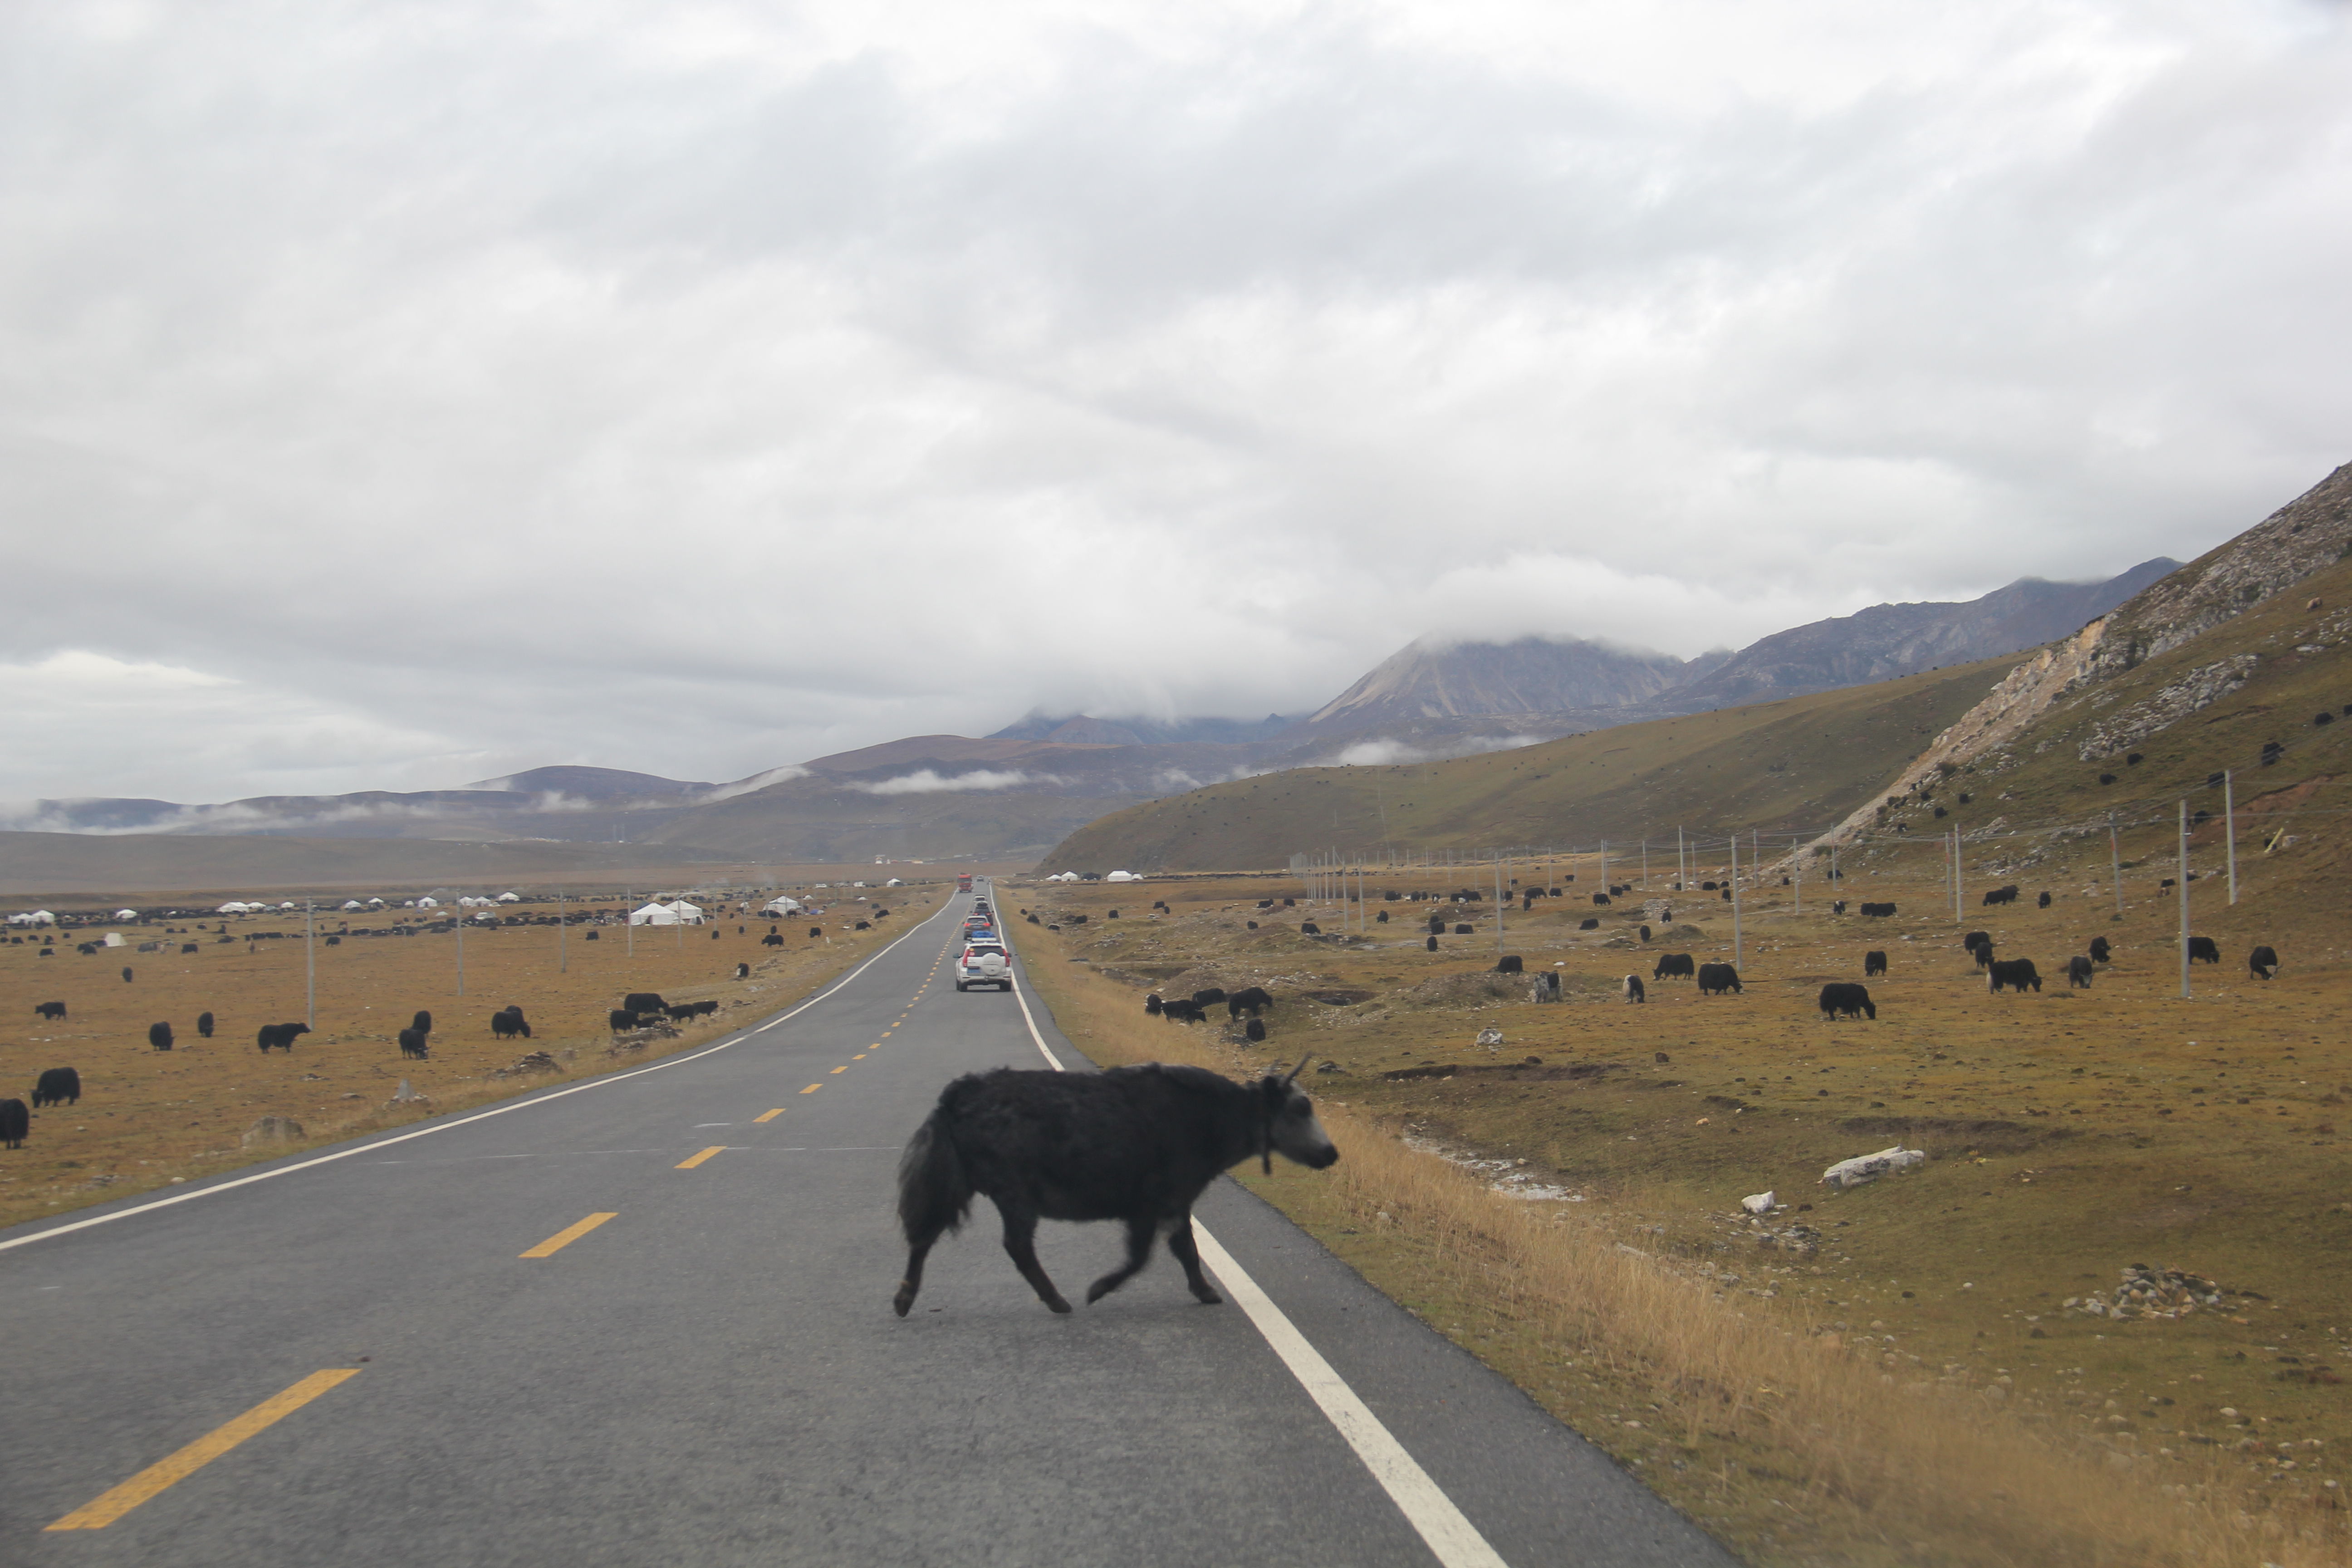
(934, 1194)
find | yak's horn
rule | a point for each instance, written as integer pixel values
(1297, 1070)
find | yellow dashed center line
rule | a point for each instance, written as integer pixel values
(770, 1115)
(813, 1088)
(110, 1506)
(691, 1161)
(566, 1237)
(842, 1068)
(858, 1057)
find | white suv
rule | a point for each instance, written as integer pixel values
(984, 964)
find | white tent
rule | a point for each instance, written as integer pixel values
(1122, 877)
(231, 908)
(428, 903)
(35, 917)
(126, 914)
(894, 882)
(671, 915)
(781, 905)
(352, 904)
(286, 905)
(689, 914)
(375, 903)
(112, 939)
(510, 898)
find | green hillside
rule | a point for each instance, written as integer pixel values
(1798, 763)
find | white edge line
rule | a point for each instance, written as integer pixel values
(1450, 1536)
(195, 1192)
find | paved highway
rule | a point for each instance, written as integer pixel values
(360, 1359)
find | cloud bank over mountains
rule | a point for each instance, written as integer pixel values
(391, 398)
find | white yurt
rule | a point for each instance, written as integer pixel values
(1122, 877)
(654, 914)
(33, 918)
(428, 902)
(894, 882)
(781, 905)
(112, 939)
(510, 898)
(375, 903)
(353, 904)
(230, 908)
(687, 914)
(287, 905)
(126, 914)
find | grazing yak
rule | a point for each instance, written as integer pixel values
(2205, 948)
(1152, 1006)
(742, 971)
(1588, 923)
(1845, 999)
(412, 1044)
(508, 1023)
(1208, 996)
(1976, 938)
(2016, 973)
(2262, 964)
(1255, 1030)
(160, 1036)
(422, 1023)
(1179, 1010)
(1309, 928)
(1878, 911)
(1462, 930)
(1432, 944)
(1874, 962)
(15, 1122)
(776, 938)
(643, 1002)
(1509, 963)
(2078, 972)
(1252, 1001)
(1135, 1144)
(1982, 954)
(2001, 896)
(279, 1037)
(2101, 953)
(1437, 924)
(205, 1025)
(1837, 906)
(52, 1010)
(1674, 966)
(2042, 902)
(57, 1086)
(1634, 990)
(1715, 979)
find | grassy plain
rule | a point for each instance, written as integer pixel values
(1888, 1375)
(148, 1118)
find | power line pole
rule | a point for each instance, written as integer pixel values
(2116, 864)
(1499, 904)
(1958, 916)
(1735, 899)
(309, 966)
(461, 948)
(2183, 891)
(563, 950)
(1682, 863)
(2230, 825)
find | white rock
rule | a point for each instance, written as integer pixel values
(1761, 1203)
(1864, 1168)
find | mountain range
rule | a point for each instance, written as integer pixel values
(1029, 785)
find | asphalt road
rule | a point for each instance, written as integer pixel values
(714, 1375)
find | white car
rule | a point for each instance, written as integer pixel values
(984, 964)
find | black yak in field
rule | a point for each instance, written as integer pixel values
(1462, 930)
(279, 1037)
(15, 1122)
(621, 1019)
(1673, 965)
(412, 1044)
(1845, 999)
(1588, 923)
(643, 1002)
(742, 971)
(1432, 944)
(1135, 1144)
(1837, 906)
(1633, 988)
(1255, 1030)
(205, 1025)
(51, 1010)
(1179, 1010)
(422, 1023)
(1715, 979)
(776, 938)
(1253, 1001)
(160, 1036)
(1309, 928)
(1874, 962)
(2078, 972)
(2001, 896)
(508, 1023)
(1878, 911)
(2262, 963)
(1976, 938)
(2016, 973)
(1208, 996)
(1510, 963)
(2041, 901)
(2101, 953)
(2205, 948)
(1152, 1006)
(57, 1086)
(1982, 952)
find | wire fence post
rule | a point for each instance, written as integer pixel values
(2230, 827)
(2182, 889)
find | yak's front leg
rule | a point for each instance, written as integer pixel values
(1188, 1253)
(1141, 1229)
(1019, 1243)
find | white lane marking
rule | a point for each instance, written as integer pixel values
(1455, 1541)
(195, 1192)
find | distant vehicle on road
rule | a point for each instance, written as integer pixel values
(984, 963)
(963, 881)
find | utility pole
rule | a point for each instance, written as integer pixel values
(1797, 876)
(2230, 826)
(1958, 916)
(461, 949)
(562, 951)
(629, 918)
(2116, 864)
(309, 966)
(1735, 899)
(1604, 865)
(1682, 863)
(2183, 891)
(1498, 905)
(1645, 865)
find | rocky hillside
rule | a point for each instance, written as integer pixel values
(1532, 675)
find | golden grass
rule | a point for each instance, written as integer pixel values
(1793, 1443)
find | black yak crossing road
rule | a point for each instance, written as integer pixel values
(1135, 1144)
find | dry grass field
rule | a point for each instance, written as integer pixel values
(1887, 1374)
(149, 1118)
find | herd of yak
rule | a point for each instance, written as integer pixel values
(62, 1086)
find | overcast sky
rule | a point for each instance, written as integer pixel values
(394, 395)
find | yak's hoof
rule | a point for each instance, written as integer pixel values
(1099, 1288)
(1206, 1296)
(1057, 1303)
(903, 1300)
